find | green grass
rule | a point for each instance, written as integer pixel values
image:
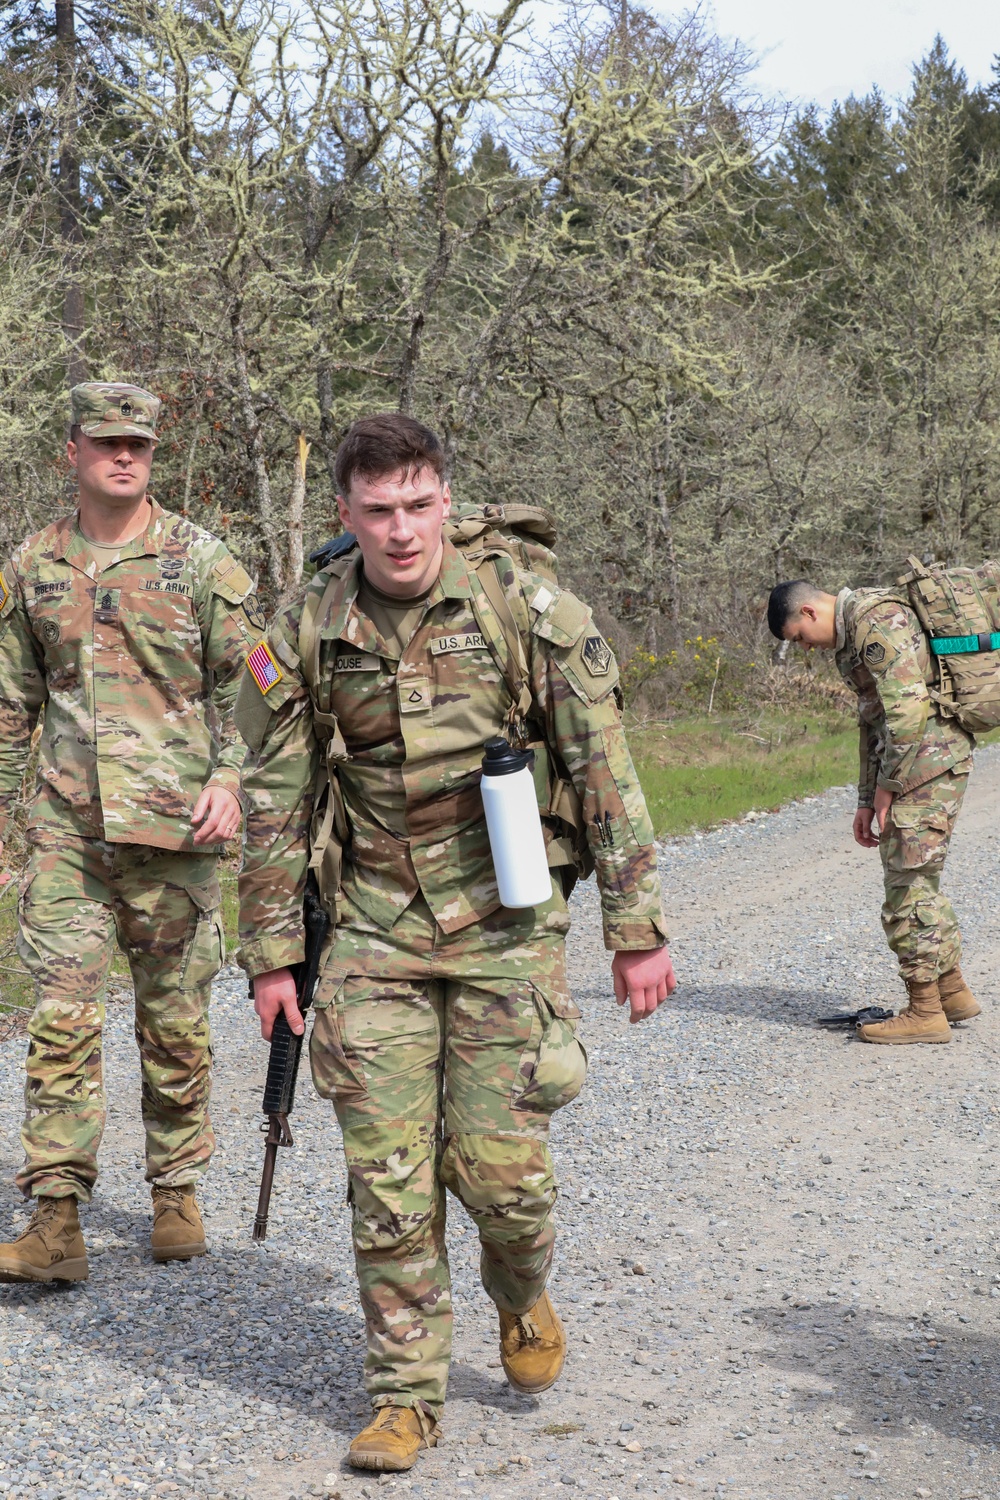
(697, 773)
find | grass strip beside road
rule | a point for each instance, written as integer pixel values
(698, 773)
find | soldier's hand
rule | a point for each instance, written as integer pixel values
(274, 992)
(883, 802)
(219, 814)
(863, 828)
(644, 978)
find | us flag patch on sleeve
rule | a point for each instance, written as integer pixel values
(263, 668)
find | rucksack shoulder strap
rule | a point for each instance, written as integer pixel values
(319, 605)
(505, 635)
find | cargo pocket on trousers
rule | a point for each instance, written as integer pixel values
(920, 834)
(336, 1071)
(554, 1064)
(206, 947)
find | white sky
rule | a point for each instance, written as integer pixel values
(827, 49)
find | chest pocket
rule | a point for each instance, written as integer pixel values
(359, 688)
(49, 608)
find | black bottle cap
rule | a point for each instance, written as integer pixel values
(501, 759)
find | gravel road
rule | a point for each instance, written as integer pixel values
(776, 1262)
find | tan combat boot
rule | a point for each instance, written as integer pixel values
(532, 1347)
(923, 1020)
(50, 1249)
(393, 1439)
(958, 1001)
(178, 1232)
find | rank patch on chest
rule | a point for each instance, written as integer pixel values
(875, 653)
(106, 603)
(474, 641)
(357, 661)
(263, 668)
(597, 656)
(414, 695)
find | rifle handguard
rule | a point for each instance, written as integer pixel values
(282, 1068)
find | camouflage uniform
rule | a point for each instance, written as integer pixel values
(134, 669)
(923, 758)
(445, 1033)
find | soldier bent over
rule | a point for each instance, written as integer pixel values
(445, 1033)
(126, 629)
(915, 766)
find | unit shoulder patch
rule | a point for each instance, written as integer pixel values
(597, 656)
(263, 668)
(875, 653)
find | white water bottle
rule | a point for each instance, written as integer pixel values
(515, 828)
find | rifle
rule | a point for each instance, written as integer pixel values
(865, 1017)
(286, 1051)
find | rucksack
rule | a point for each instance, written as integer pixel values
(484, 535)
(959, 611)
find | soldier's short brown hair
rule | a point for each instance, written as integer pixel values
(390, 443)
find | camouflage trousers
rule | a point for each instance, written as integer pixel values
(445, 1058)
(163, 908)
(918, 920)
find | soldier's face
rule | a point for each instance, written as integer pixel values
(111, 470)
(813, 627)
(397, 520)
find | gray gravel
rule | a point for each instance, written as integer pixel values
(776, 1261)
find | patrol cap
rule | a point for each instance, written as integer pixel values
(104, 408)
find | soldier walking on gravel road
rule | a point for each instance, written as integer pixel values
(915, 766)
(445, 1033)
(126, 629)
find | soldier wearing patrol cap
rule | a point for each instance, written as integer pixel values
(445, 1032)
(124, 628)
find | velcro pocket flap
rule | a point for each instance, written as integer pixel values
(563, 621)
(234, 587)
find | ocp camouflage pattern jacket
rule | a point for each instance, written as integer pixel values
(409, 765)
(882, 654)
(135, 670)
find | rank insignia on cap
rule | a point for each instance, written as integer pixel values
(125, 407)
(597, 655)
(263, 668)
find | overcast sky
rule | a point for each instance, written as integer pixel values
(825, 51)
